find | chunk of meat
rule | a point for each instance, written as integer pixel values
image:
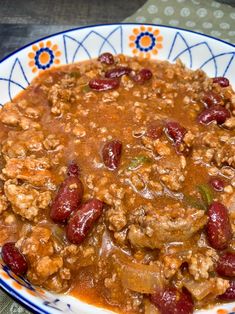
(33, 170)
(21, 144)
(60, 99)
(172, 171)
(46, 266)
(202, 263)
(9, 227)
(25, 200)
(217, 149)
(230, 123)
(51, 142)
(116, 219)
(153, 229)
(3, 202)
(11, 115)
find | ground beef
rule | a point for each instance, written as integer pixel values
(25, 200)
(12, 115)
(202, 263)
(30, 169)
(46, 264)
(3, 202)
(21, 144)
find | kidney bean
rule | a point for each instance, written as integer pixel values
(229, 294)
(217, 184)
(214, 113)
(175, 132)
(73, 170)
(226, 265)
(81, 223)
(106, 58)
(172, 301)
(218, 228)
(212, 99)
(68, 198)
(117, 72)
(103, 84)
(142, 76)
(13, 258)
(154, 130)
(111, 154)
(222, 81)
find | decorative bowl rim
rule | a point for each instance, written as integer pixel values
(111, 24)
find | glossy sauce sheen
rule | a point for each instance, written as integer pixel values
(120, 164)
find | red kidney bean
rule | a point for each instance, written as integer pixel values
(229, 294)
(226, 265)
(154, 130)
(214, 113)
(68, 198)
(212, 99)
(111, 154)
(81, 223)
(217, 184)
(14, 259)
(106, 58)
(222, 81)
(117, 72)
(103, 84)
(218, 229)
(142, 76)
(172, 301)
(73, 170)
(175, 132)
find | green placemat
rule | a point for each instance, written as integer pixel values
(209, 17)
(204, 16)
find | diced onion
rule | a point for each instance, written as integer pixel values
(138, 277)
(199, 289)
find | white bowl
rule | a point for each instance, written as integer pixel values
(214, 56)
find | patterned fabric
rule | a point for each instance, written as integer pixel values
(209, 17)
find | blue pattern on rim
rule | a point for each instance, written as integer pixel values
(81, 46)
(37, 56)
(140, 36)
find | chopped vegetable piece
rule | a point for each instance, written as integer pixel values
(136, 276)
(75, 74)
(194, 202)
(138, 161)
(206, 193)
(86, 89)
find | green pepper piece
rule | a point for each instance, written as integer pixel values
(75, 74)
(206, 193)
(138, 161)
(86, 89)
(194, 202)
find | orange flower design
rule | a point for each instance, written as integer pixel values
(222, 311)
(43, 56)
(145, 41)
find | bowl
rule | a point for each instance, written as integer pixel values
(214, 56)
